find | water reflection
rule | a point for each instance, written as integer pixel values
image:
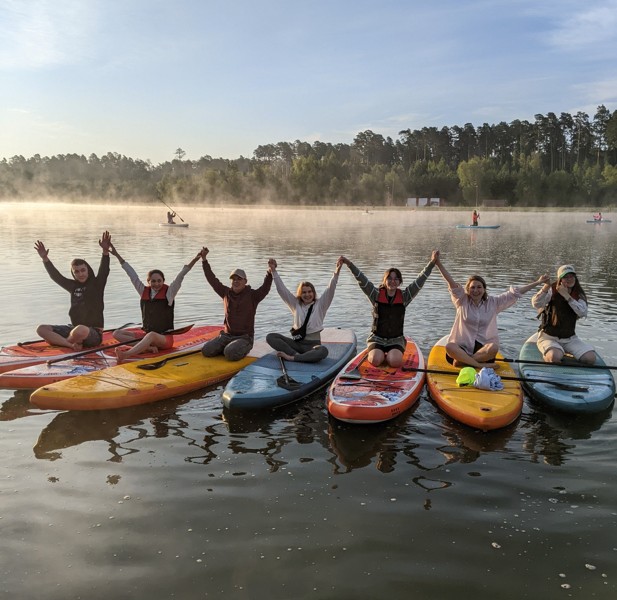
(551, 437)
(119, 428)
(17, 406)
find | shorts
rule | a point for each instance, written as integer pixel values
(169, 342)
(477, 345)
(94, 338)
(572, 345)
(374, 342)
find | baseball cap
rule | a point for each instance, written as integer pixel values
(238, 273)
(565, 270)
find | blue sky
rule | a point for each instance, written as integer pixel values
(219, 78)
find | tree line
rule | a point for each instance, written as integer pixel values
(566, 160)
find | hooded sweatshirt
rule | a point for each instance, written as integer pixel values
(86, 298)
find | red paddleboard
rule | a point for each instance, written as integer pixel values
(33, 353)
(363, 393)
(41, 374)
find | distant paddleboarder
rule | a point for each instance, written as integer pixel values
(170, 217)
(475, 217)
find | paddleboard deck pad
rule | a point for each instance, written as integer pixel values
(363, 393)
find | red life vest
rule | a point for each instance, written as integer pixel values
(388, 314)
(156, 314)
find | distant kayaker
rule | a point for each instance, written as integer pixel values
(598, 216)
(475, 217)
(170, 217)
(240, 303)
(86, 289)
(387, 339)
(308, 312)
(559, 306)
(157, 309)
(473, 339)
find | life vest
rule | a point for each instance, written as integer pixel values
(388, 314)
(156, 314)
(558, 319)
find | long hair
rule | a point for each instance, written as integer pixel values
(299, 290)
(577, 289)
(476, 278)
(387, 274)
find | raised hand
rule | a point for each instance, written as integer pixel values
(105, 242)
(40, 248)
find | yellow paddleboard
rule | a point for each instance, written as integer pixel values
(129, 385)
(482, 409)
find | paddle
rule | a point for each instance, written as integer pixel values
(173, 211)
(53, 361)
(161, 363)
(39, 341)
(563, 386)
(569, 363)
(285, 381)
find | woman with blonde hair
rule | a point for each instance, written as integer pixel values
(309, 311)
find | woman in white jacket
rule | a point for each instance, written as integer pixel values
(309, 311)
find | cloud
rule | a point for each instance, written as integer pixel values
(591, 28)
(44, 33)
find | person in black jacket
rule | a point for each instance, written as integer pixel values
(87, 290)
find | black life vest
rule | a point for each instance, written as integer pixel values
(558, 319)
(388, 314)
(156, 314)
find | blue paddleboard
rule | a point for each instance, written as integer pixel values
(569, 388)
(262, 384)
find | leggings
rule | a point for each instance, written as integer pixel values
(308, 351)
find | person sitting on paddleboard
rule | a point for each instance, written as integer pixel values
(240, 302)
(157, 309)
(559, 306)
(308, 312)
(475, 217)
(387, 339)
(87, 290)
(597, 217)
(170, 217)
(473, 340)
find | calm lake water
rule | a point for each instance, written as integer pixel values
(181, 499)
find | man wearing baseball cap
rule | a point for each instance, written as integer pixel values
(240, 303)
(559, 306)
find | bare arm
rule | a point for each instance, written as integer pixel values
(543, 279)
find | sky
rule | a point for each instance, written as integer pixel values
(143, 78)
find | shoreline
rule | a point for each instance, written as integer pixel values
(318, 207)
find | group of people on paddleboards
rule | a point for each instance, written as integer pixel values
(473, 339)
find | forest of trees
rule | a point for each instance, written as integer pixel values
(566, 160)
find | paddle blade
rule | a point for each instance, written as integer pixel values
(287, 383)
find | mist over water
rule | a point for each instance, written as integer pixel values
(183, 499)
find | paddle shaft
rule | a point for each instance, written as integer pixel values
(161, 363)
(504, 377)
(577, 365)
(29, 343)
(172, 210)
(53, 361)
